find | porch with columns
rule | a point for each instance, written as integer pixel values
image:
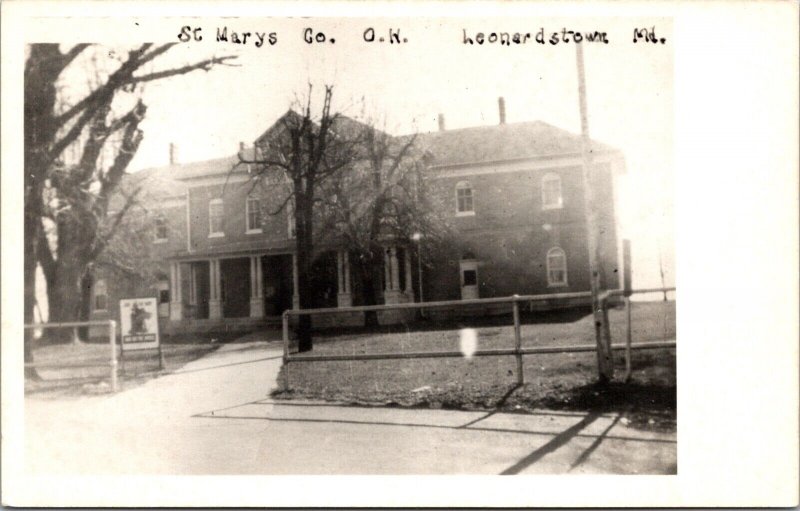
(197, 287)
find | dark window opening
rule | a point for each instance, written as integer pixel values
(470, 278)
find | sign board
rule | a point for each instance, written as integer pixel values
(139, 323)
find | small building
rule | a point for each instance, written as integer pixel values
(513, 193)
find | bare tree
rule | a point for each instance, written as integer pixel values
(384, 200)
(305, 150)
(71, 198)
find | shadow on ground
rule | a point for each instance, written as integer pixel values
(648, 407)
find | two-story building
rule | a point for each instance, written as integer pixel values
(514, 192)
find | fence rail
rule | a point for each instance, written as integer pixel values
(626, 294)
(112, 337)
(517, 351)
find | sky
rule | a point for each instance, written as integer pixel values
(406, 86)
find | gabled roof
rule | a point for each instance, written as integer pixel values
(179, 172)
(502, 142)
(153, 185)
(341, 124)
(465, 146)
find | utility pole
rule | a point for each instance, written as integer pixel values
(605, 363)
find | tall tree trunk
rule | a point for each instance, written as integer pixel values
(305, 342)
(372, 283)
(32, 223)
(85, 305)
(304, 256)
(64, 299)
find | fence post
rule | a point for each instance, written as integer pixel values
(628, 341)
(517, 341)
(285, 350)
(112, 341)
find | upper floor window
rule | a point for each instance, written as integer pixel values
(556, 267)
(551, 192)
(464, 202)
(162, 233)
(216, 210)
(100, 295)
(253, 213)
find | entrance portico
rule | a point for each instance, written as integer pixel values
(252, 286)
(258, 286)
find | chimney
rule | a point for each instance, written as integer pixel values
(501, 105)
(241, 147)
(441, 122)
(173, 153)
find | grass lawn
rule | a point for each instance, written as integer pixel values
(136, 367)
(555, 381)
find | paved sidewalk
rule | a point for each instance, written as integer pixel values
(215, 417)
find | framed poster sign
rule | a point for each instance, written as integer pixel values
(139, 323)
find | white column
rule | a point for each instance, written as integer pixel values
(256, 294)
(214, 302)
(259, 277)
(339, 272)
(344, 298)
(347, 272)
(409, 280)
(387, 271)
(176, 304)
(295, 284)
(395, 269)
(392, 293)
(192, 284)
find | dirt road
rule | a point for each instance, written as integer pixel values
(215, 416)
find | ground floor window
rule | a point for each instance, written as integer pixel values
(556, 267)
(469, 279)
(100, 295)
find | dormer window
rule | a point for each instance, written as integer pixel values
(253, 215)
(464, 199)
(216, 210)
(551, 192)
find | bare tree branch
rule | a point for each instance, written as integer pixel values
(102, 241)
(205, 65)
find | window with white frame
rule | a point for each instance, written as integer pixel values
(162, 232)
(556, 267)
(551, 192)
(464, 199)
(253, 213)
(216, 210)
(100, 301)
(469, 278)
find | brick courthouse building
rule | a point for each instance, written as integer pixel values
(514, 192)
